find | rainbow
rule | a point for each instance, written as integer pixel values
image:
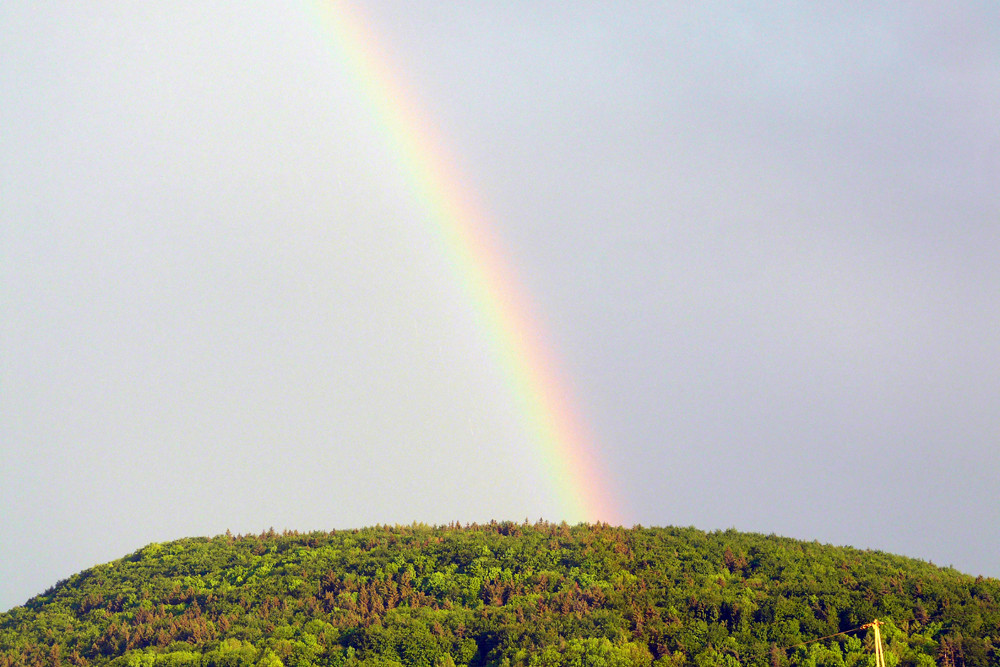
(462, 227)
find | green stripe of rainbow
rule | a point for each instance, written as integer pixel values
(463, 229)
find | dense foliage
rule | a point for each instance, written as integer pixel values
(505, 594)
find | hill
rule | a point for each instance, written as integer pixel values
(504, 594)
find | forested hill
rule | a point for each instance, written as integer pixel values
(505, 594)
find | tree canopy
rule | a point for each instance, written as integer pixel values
(505, 594)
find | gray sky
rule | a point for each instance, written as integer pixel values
(764, 241)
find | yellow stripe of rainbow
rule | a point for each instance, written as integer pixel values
(560, 435)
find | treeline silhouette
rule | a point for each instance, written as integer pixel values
(505, 594)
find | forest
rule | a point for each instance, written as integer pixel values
(506, 594)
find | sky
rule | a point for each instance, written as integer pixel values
(757, 243)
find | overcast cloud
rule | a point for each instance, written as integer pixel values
(764, 240)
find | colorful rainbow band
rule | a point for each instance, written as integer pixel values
(563, 441)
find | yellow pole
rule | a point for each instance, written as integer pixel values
(879, 655)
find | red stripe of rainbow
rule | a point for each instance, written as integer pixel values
(514, 335)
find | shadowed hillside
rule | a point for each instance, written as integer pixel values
(505, 594)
